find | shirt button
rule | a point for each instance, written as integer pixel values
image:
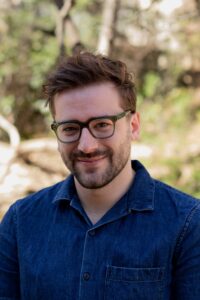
(92, 232)
(86, 276)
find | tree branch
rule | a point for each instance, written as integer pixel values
(61, 16)
(11, 131)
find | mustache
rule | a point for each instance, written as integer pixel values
(80, 154)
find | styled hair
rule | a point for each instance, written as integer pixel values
(84, 69)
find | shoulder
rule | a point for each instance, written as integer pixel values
(44, 195)
(173, 195)
(176, 204)
(166, 201)
(37, 203)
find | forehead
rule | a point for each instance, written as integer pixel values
(86, 102)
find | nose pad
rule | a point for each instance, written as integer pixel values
(87, 143)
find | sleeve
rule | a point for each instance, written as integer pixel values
(9, 267)
(186, 277)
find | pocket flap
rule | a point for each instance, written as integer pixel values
(134, 274)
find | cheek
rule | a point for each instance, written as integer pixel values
(59, 147)
(62, 148)
(65, 149)
(124, 135)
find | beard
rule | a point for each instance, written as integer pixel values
(95, 177)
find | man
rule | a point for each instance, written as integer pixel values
(109, 231)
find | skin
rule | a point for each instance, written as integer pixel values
(101, 167)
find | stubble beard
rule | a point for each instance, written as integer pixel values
(95, 178)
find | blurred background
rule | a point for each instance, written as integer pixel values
(158, 39)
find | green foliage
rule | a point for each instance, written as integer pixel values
(7, 104)
(170, 127)
(83, 4)
(151, 83)
(43, 55)
(179, 101)
(29, 51)
(87, 17)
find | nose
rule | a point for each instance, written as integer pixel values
(87, 143)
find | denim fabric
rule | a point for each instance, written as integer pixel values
(146, 247)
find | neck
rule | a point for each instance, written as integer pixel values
(96, 202)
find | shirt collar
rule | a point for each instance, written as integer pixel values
(67, 191)
(140, 196)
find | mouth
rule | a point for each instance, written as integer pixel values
(90, 161)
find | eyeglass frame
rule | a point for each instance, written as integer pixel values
(113, 118)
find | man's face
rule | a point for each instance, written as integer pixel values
(95, 162)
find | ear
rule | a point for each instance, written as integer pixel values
(135, 126)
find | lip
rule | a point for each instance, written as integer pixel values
(90, 161)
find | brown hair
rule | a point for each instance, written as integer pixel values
(87, 68)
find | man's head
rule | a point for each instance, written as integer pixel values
(85, 69)
(93, 119)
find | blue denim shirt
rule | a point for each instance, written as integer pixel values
(146, 247)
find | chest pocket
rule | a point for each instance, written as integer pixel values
(134, 283)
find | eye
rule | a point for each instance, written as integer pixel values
(102, 124)
(69, 129)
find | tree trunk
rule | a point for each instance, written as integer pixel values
(107, 32)
(62, 15)
(72, 36)
(198, 6)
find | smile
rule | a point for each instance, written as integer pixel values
(91, 161)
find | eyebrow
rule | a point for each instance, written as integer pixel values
(86, 122)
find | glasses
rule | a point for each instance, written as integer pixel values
(99, 127)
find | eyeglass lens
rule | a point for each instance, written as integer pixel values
(99, 128)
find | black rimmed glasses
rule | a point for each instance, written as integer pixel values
(99, 127)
